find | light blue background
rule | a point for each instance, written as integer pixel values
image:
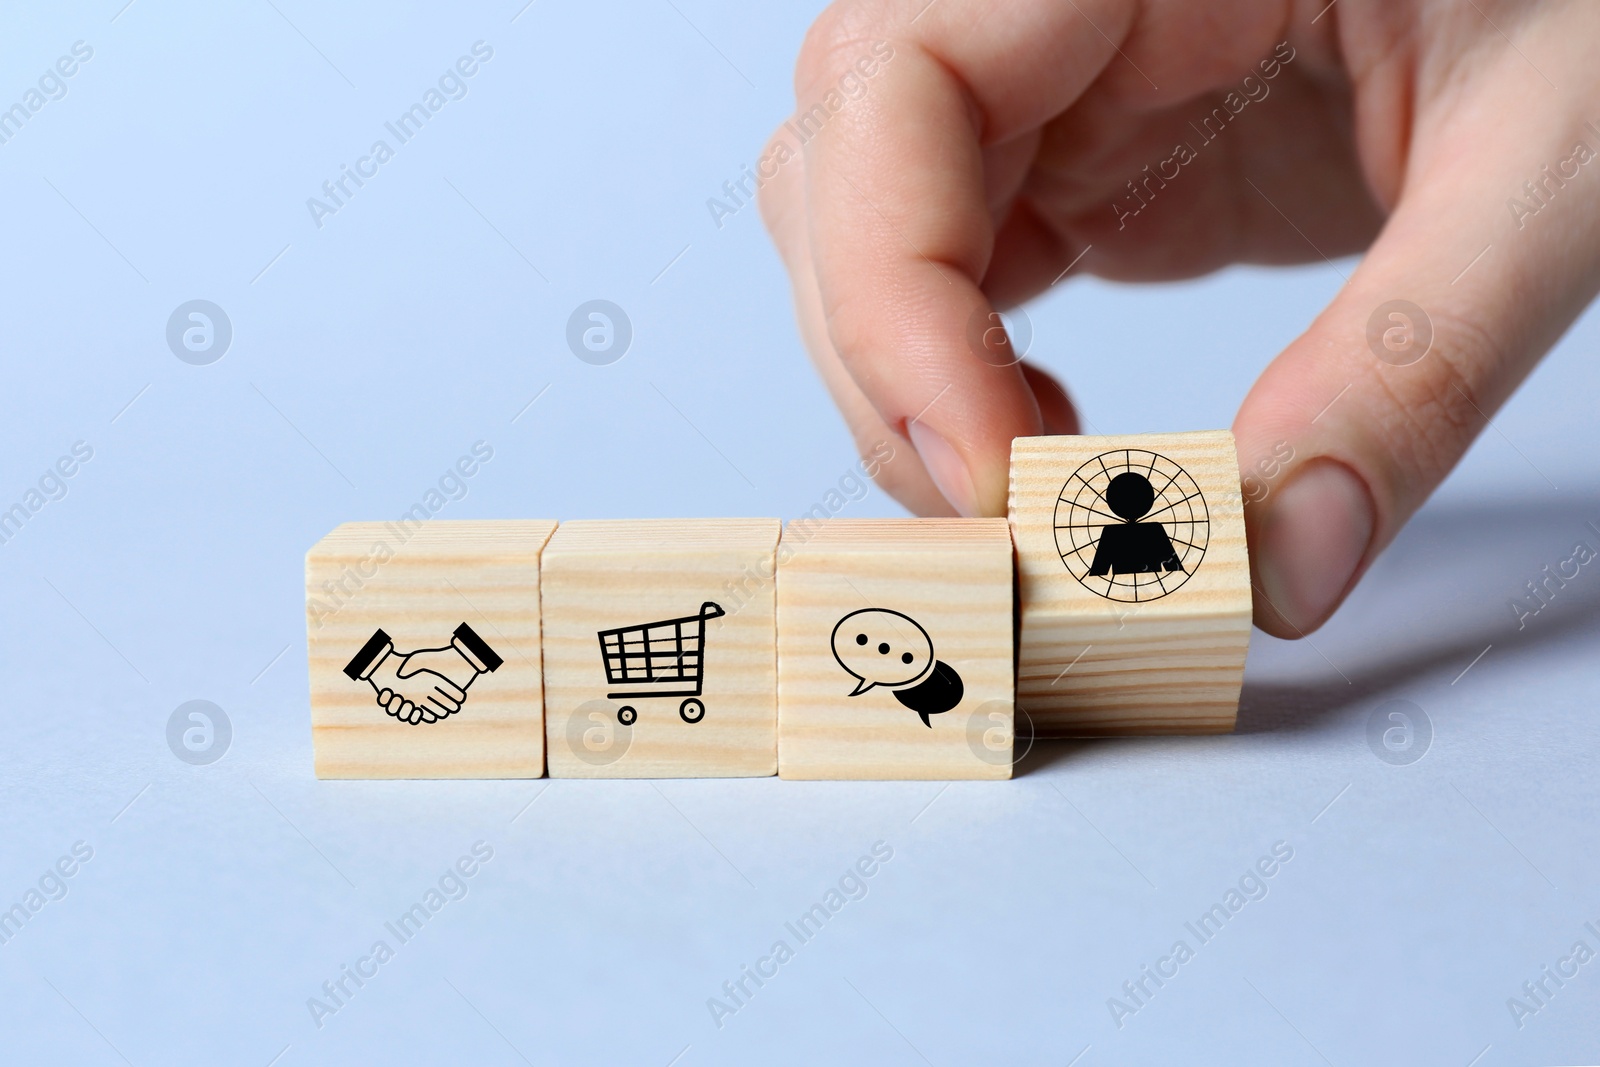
(374, 351)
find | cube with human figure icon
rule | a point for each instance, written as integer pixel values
(1134, 582)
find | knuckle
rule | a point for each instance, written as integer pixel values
(835, 36)
(782, 196)
(852, 327)
(1433, 416)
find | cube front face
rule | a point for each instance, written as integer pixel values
(1134, 581)
(452, 606)
(895, 652)
(660, 648)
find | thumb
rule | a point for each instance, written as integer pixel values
(1348, 431)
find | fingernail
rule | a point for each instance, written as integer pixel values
(1313, 539)
(949, 473)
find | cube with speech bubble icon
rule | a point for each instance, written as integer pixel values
(892, 634)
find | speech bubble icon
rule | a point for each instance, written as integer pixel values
(876, 646)
(936, 694)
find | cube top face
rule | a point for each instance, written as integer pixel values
(439, 538)
(664, 537)
(660, 648)
(895, 649)
(459, 603)
(1148, 523)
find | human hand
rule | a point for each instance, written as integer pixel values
(993, 147)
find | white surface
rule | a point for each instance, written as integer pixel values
(379, 348)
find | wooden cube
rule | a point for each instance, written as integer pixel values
(660, 648)
(895, 651)
(1134, 581)
(423, 643)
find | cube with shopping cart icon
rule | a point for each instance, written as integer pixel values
(684, 613)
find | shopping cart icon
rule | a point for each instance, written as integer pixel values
(666, 656)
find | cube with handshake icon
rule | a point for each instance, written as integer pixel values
(398, 592)
(427, 685)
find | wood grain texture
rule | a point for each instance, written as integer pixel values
(606, 575)
(1145, 663)
(418, 582)
(953, 577)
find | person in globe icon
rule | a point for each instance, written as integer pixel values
(1131, 546)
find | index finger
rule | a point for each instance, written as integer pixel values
(900, 231)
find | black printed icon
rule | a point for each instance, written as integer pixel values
(876, 646)
(427, 685)
(669, 655)
(1133, 547)
(1131, 525)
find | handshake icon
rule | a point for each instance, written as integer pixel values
(427, 685)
